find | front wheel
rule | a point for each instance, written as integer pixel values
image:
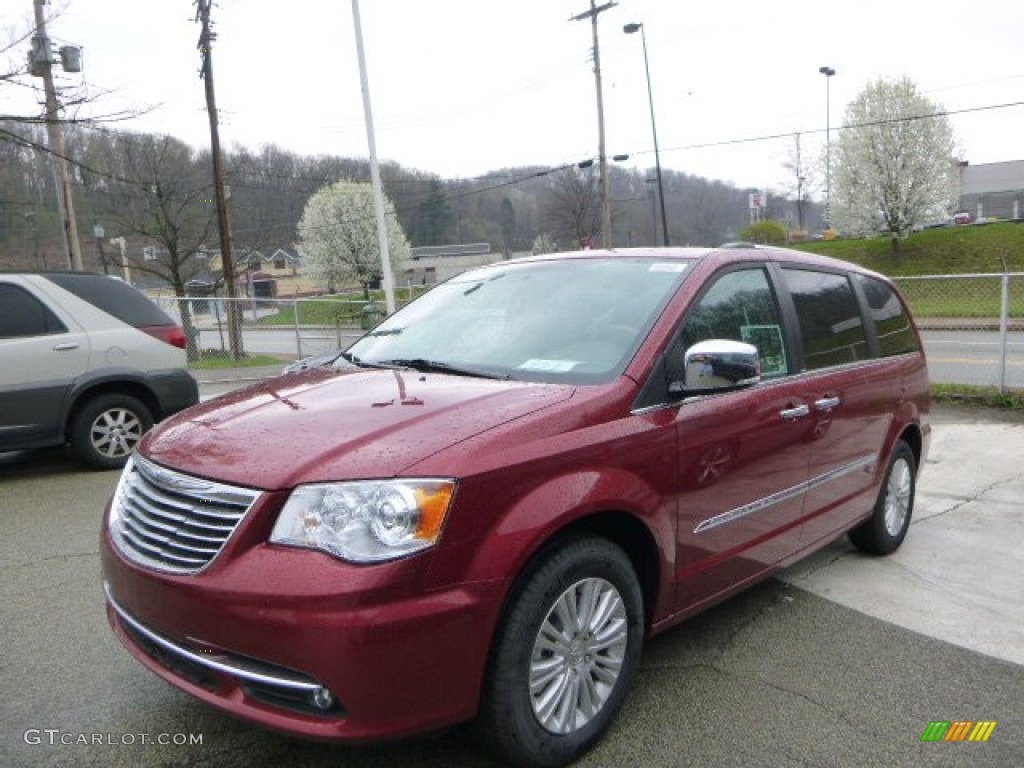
(565, 654)
(884, 531)
(107, 428)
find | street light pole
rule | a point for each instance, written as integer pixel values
(387, 277)
(629, 29)
(828, 72)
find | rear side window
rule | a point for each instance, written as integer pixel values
(830, 321)
(113, 297)
(892, 324)
(23, 315)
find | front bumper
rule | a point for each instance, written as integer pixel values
(278, 639)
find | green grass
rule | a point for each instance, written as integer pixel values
(334, 310)
(943, 251)
(215, 359)
(988, 397)
(962, 297)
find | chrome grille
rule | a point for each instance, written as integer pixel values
(171, 521)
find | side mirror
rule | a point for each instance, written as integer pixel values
(718, 365)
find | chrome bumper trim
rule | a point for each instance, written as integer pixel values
(234, 666)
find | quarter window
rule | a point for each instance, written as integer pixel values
(892, 324)
(23, 315)
(741, 306)
(830, 321)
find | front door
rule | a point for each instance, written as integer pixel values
(743, 456)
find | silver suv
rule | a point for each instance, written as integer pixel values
(86, 360)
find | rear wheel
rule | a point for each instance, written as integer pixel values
(107, 428)
(565, 655)
(885, 530)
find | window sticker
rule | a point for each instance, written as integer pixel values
(768, 340)
(667, 267)
(548, 366)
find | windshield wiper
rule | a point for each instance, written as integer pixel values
(436, 366)
(348, 356)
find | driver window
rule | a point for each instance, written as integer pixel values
(740, 305)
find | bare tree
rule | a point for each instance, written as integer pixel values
(802, 179)
(168, 209)
(573, 209)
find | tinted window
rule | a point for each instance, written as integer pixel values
(22, 314)
(740, 306)
(113, 297)
(830, 322)
(895, 334)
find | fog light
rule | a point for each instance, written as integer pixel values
(322, 698)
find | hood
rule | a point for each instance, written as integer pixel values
(325, 425)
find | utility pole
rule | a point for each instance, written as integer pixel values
(606, 202)
(41, 65)
(205, 46)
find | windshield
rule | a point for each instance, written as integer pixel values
(571, 320)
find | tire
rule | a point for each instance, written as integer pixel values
(527, 725)
(884, 531)
(107, 428)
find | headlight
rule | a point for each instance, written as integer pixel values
(366, 521)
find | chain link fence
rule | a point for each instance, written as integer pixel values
(972, 325)
(288, 329)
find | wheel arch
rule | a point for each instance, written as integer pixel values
(129, 387)
(912, 436)
(621, 528)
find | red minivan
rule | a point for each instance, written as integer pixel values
(482, 508)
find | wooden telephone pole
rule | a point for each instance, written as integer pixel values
(41, 65)
(606, 201)
(205, 45)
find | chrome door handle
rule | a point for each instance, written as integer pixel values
(797, 412)
(826, 403)
(63, 347)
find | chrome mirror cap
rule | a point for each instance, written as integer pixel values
(719, 365)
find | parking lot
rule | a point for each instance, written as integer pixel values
(845, 660)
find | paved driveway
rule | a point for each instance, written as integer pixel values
(843, 661)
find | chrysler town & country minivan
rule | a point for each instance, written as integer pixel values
(482, 508)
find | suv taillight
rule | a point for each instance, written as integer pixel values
(171, 334)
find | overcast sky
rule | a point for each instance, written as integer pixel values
(462, 87)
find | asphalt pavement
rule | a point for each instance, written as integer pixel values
(842, 661)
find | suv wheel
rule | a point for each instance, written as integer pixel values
(884, 531)
(565, 654)
(107, 428)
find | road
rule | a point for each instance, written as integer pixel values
(842, 661)
(958, 357)
(972, 357)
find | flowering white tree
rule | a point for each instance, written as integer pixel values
(895, 164)
(338, 235)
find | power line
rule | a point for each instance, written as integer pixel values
(512, 180)
(869, 124)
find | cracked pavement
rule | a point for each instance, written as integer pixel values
(843, 661)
